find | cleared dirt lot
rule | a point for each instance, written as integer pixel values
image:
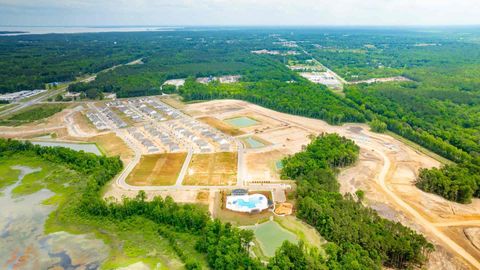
(157, 170)
(386, 172)
(262, 166)
(216, 169)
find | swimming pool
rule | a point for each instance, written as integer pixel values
(251, 203)
(247, 203)
(241, 122)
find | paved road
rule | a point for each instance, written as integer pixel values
(184, 169)
(49, 94)
(52, 93)
(241, 167)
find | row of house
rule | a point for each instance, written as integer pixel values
(114, 118)
(164, 137)
(125, 110)
(165, 109)
(151, 148)
(96, 121)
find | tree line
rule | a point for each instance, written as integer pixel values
(299, 98)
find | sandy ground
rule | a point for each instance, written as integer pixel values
(427, 213)
(47, 126)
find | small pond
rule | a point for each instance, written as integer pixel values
(241, 122)
(251, 142)
(86, 147)
(271, 235)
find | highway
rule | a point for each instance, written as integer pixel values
(39, 98)
(53, 93)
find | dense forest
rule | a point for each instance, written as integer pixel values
(31, 61)
(299, 98)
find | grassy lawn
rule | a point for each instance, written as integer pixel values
(217, 169)
(32, 114)
(6, 106)
(221, 126)
(157, 170)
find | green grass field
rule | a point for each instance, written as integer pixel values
(157, 170)
(32, 114)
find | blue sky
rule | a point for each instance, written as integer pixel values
(239, 12)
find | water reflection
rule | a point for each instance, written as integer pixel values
(23, 245)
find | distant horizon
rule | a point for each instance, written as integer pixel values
(201, 13)
(251, 26)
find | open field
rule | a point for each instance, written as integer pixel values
(386, 171)
(83, 123)
(112, 145)
(157, 170)
(32, 114)
(261, 166)
(222, 126)
(212, 169)
(173, 101)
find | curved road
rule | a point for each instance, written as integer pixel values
(428, 226)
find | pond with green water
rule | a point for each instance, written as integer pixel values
(270, 235)
(86, 147)
(241, 122)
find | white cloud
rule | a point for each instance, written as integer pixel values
(241, 12)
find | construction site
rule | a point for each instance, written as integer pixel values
(194, 152)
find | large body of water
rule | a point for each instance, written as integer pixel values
(23, 244)
(37, 30)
